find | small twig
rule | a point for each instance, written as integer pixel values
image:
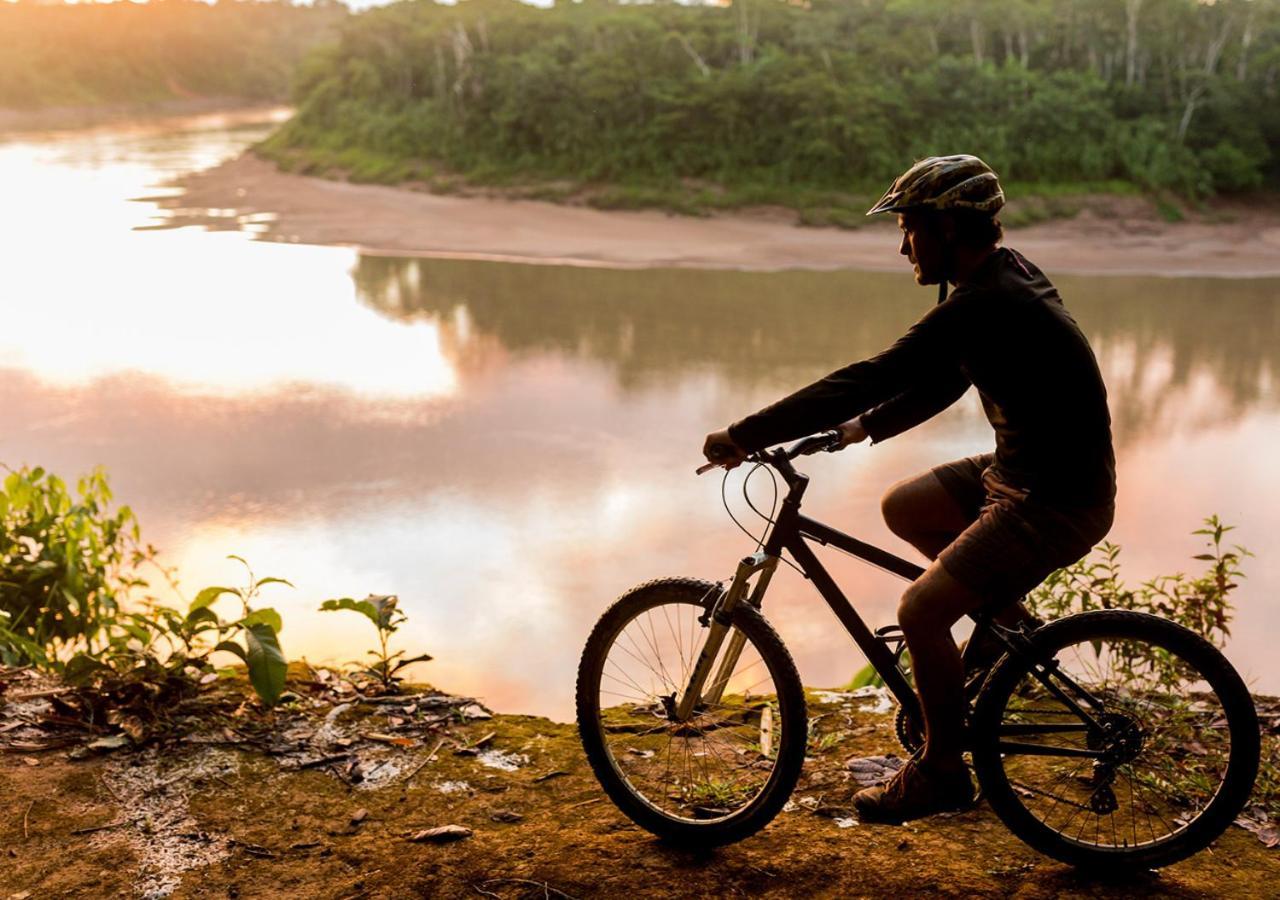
(418, 768)
(549, 775)
(37, 695)
(583, 803)
(252, 849)
(364, 891)
(100, 827)
(110, 790)
(25, 834)
(481, 891)
(547, 890)
(324, 760)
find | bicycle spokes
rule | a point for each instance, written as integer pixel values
(1146, 758)
(718, 758)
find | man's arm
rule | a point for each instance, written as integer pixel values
(910, 408)
(920, 357)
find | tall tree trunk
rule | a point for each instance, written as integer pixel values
(441, 75)
(1023, 52)
(1131, 10)
(975, 37)
(1246, 38)
(694, 55)
(1212, 54)
(746, 33)
(1008, 45)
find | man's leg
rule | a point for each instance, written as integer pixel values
(929, 608)
(936, 780)
(922, 512)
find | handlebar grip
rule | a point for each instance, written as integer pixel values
(720, 451)
(813, 444)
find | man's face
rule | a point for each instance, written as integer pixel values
(923, 244)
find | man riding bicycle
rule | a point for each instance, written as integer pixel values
(995, 524)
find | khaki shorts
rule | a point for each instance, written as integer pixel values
(1013, 542)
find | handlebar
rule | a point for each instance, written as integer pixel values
(825, 441)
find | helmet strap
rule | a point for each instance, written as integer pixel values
(948, 269)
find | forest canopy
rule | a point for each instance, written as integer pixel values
(89, 54)
(1173, 95)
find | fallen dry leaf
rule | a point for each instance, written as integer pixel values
(388, 739)
(441, 834)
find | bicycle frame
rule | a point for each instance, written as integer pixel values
(791, 531)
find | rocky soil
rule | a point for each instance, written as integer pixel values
(342, 794)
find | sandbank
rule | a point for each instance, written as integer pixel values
(1243, 242)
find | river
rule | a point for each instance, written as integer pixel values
(508, 447)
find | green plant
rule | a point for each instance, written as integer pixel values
(67, 562)
(261, 628)
(156, 645)
(70, 575)
(386, 616)
(1202, 604)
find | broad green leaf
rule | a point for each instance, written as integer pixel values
(81, 667)
(202, 614)
(137, 631)
(867, 676)
(364, 607)
(208, 595)
(262, 581)
(425, 657)
(266, 662)
(389, 617)
(233, 647)
(265, 616)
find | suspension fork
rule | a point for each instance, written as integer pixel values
(720, 620)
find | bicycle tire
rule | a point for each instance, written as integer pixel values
(793, 727)
(1094, 628)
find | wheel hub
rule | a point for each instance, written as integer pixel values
(1120, 738)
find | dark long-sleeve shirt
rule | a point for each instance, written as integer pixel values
(1006, 332)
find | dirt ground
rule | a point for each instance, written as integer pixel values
(1122, 235)
(323, 803)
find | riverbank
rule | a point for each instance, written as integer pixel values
(329, 795)
(1125, 235)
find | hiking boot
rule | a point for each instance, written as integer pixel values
(915, 791)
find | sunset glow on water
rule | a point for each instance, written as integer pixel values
(509, 447)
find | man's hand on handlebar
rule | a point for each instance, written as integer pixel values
(851, 432)
(721, 450)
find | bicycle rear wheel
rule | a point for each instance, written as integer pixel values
(1136, 746)
(724, 773)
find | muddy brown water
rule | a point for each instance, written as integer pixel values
(508, 447)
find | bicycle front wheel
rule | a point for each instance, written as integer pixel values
(1122, 739)
(726, 771)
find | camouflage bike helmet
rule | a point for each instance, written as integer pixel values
(944, 182)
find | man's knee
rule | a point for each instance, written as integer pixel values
(917, 612)
(934, 602)
(898, 506)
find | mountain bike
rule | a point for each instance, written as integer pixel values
(1103, 738)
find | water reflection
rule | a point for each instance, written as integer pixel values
(1178, 353)
(508, 446)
